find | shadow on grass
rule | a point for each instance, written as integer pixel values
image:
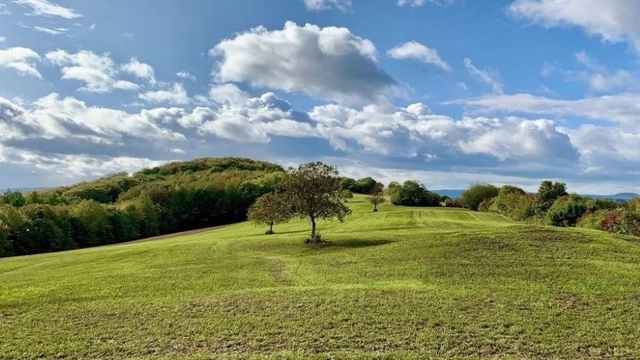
(349, 243)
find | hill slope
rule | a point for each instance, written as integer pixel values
(404, 281)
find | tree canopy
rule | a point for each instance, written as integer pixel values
(270, 209)
(313, 190)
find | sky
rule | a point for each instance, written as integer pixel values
(447, 92)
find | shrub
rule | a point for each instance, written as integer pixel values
(476, 194)
(412, 193)
(453, 203)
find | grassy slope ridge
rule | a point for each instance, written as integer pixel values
(403, 282)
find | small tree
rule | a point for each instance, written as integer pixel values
(346, 194)
(314, 192)
(270, 209)
(375, 200)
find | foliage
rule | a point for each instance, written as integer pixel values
(121, 207)
(270, 209)
(346, 194)
(566, 211)
(455, 203)
(412, 193)
(548, 193)
(376, 198)
(313, 191)
(475, 194)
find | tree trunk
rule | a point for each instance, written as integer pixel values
(271, 227)
(313, 229)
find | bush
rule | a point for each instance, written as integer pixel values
(476, 194)
(455, 203)
(412, 193)
(566, 211)
(592, 220)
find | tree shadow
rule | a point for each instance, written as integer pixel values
(351, 243)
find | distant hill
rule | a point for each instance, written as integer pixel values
(454, 194)
(619, 196)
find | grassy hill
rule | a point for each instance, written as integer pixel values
(403, 282)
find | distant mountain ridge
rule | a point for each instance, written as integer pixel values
(455, 193)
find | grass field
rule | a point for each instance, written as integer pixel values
(400, 283)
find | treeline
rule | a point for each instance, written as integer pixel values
(121, 207)
(553, 205)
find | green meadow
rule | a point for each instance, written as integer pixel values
(399, 283)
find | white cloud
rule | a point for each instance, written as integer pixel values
(183, 74)
(68, 118)
(621, 108)
(418, 3)
(597, 76)
(20, 59)
(604, 148)
(97, 72)
(417, 51)
(50, 31)
(2, 39)
(47, 8)
(4, 10)
(174, 95)
(342, 5)
(612, 20)
(139, 70)
(329, 63)
(600, 78)
(491, 78)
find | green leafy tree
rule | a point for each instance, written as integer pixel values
(547, 194)
(14, 198)
(376, 197)
(346, 194)
(475, 194)
(270, 209)
(313, 190)
(412, 193)
(375, 200)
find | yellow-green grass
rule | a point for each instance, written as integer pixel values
(399, 283)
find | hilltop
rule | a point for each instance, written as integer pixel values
(403, 282)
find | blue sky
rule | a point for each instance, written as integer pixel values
(447, 92)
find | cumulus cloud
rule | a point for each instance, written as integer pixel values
(415, 50)
(612, 20)
(20, 59)
(173, 95)
(139, 70)
(491, 78)
(2, 39)
(47, 8)
(328, 63)
(97, 72)
(342, 5)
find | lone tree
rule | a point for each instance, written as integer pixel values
(375, 197)
(313, 190)
(270, 209)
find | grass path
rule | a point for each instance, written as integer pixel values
(400, 283)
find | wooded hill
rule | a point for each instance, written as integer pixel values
(121, 207)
